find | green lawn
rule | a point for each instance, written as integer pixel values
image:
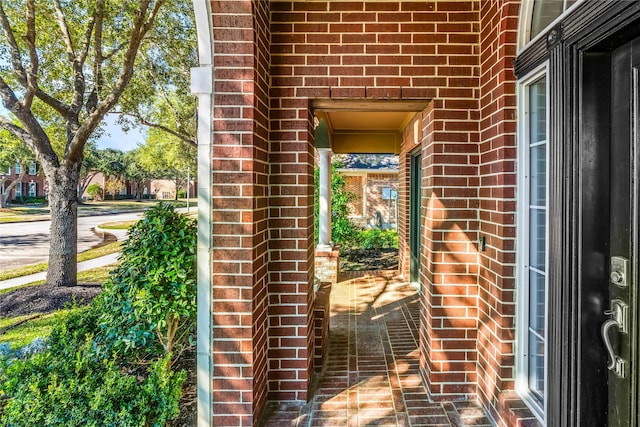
(117, 225)
(107, 249)
(24, 333)
(17, 213)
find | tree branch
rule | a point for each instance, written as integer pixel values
(52, 102)
(92, 102)
(87, 40)
(32, 134)
(16, 57)
(32, 74)
(189, 139)
(139, 28)
(66, 36)
(77, 65)
(115, 50)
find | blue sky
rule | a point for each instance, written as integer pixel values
(115, 137)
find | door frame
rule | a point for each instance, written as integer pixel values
(590, 26)
(415, 205)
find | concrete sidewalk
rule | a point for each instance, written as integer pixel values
(82, 266)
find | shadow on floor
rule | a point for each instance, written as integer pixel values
(371, 375)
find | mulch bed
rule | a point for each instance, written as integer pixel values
(368, 259)
(46, 298)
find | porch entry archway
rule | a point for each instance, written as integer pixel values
(589, 61)
(365, 127)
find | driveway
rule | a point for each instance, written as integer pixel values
(25, 243)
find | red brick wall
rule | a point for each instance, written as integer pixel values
(291, 246)
(240, 211)
(401, 50)
(354, 184)
(455, 54)
(375, 202)
(411, 140)
(496, 305)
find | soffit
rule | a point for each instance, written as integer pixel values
(365, 126)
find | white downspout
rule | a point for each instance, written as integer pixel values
(202, 88)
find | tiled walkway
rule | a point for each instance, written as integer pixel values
(371, 377)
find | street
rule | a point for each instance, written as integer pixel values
(25, 243)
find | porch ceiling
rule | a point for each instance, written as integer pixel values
(365, 126)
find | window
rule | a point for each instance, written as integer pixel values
(32, 189)
(18, 168)
(537, 15)
(32, 168)
(532, 243)
(18, 189)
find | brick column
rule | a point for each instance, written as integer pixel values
(496, 328)
(449, 258)
(291, 242)
(239, 211)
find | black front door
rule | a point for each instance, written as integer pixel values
(609, 286)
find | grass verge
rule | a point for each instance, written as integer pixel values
(117, 225)
(107, 249)
(97, 275)
(26, 332)
(27, 214)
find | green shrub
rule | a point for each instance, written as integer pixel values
(343, 231)
(378, 239)
(74, 382)
(151, 295)
(109, 364)
(94, 191)
(25, 200)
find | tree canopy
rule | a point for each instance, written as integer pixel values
(159, 95)
(63, 66)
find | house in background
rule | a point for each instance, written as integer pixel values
(160, 189)
(373, 179)
(124, 190)
(165, 189)
(33, 184)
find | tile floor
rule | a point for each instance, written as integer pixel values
(371, 377)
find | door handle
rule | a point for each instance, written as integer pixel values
(616, 363)
(619, 318)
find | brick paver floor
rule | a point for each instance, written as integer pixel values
(371, 376)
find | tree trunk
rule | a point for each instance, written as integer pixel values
(63, 203)
(4, 198)
(5, 195)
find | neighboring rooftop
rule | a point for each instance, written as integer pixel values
(367, 161)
